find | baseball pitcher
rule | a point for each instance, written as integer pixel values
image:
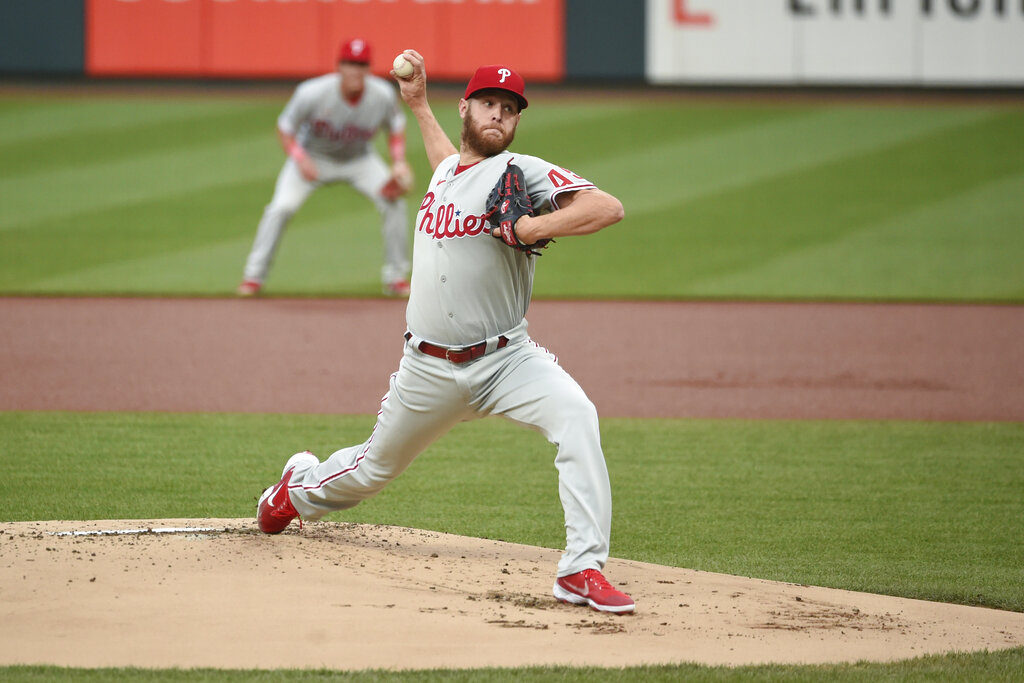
(326, 130)
(486, 217)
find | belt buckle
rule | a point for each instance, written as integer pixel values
(448, 354)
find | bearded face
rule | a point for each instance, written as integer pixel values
(488, 135)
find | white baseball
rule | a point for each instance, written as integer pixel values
(402, 67)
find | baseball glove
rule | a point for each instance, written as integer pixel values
(507, 203)
(398, 184)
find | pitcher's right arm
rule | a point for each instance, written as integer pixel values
(414, 92)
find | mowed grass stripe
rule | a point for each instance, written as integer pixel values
(740, 228)
(117, 233)
(588, 143)
(711, 192)
(671, 171)
(48, 120)
(320, 255)
(64, 193)
(968, 246)
(820, 205)
(195, 244)
(89, 146)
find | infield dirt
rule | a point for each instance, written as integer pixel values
(347, 596)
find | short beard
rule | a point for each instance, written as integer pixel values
(473, 138)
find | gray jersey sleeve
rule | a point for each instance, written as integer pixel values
(546, 181)
(328, 126)
(298, 109)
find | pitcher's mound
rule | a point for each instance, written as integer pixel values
(217, 593)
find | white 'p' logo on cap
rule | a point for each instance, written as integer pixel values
(504, 73)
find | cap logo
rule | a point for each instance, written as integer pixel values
(357, 47)
(504, 73)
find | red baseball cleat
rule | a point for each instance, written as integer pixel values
(589, 587)
(249, 288)
(275, 510)
(399, 288)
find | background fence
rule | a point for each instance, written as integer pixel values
(959, 43)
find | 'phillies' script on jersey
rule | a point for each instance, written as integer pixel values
(324, 129)
(447, 221)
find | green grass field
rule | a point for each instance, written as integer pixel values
(158, 194)
(161, 195)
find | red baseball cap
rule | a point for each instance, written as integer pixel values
(355, 50)
(500, 77)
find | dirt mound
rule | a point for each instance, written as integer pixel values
(217, 593)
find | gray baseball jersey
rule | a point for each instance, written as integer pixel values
(469, 288)
(337, 135)
(453, 251)
(325, 124)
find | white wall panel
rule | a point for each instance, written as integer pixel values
(853, 45)
(983, 49)
(857, 42)
(744, 41)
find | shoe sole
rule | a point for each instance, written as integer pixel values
(571, 598)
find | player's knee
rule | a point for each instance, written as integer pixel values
(391, 207)
(281, 210)
(283, 213)
(579, 416)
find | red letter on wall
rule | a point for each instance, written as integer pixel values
(684, 16)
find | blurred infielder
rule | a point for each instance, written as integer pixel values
(467, 355)
(327, 129)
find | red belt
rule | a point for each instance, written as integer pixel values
(458, 355)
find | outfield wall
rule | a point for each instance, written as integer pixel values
(959, 43)
(858, 42)
(260, 38)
